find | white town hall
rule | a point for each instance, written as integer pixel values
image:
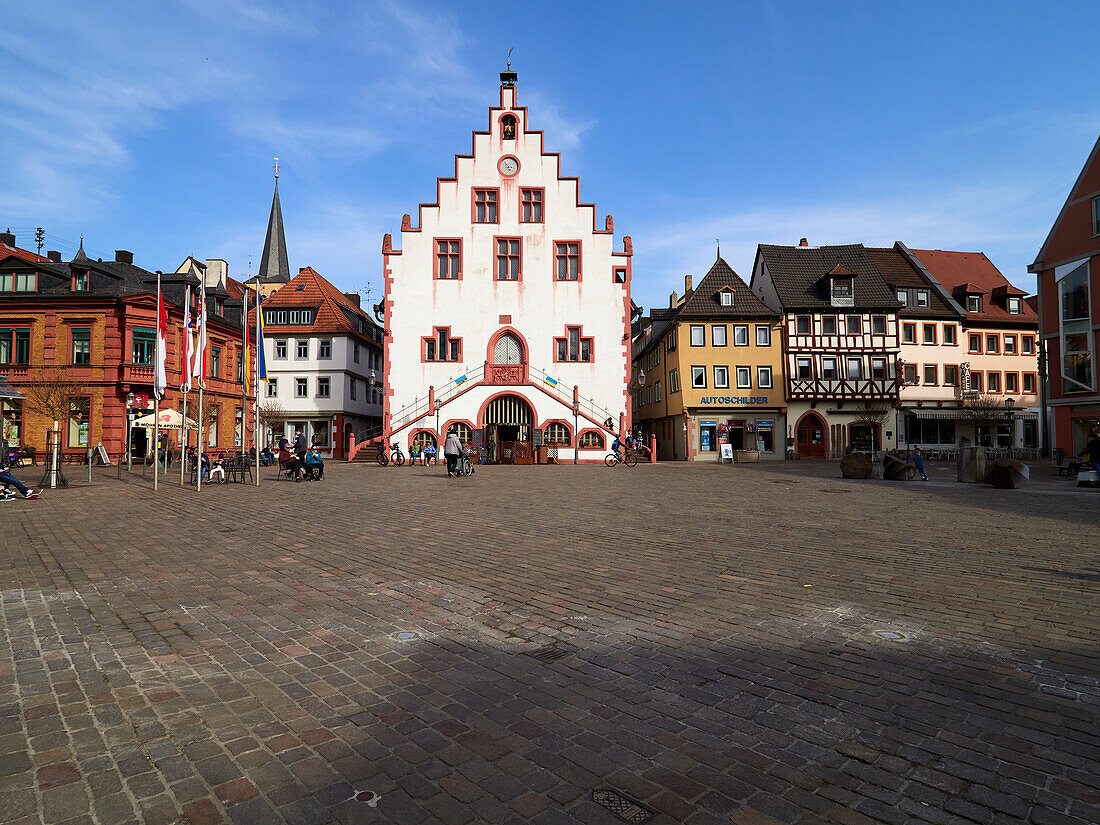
(507, 311)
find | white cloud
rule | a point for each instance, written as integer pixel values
(562, 133)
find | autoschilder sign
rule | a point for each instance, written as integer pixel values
(734, 399)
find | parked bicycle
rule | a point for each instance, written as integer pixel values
(629, 459)
(395, 455)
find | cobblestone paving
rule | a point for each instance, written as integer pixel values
(754, 644)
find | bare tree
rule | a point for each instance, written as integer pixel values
(272, 415)
(982, 412)
(51, 391)
(873, 418)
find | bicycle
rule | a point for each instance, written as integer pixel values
(396, 456)
(629, 459)
(465, 465)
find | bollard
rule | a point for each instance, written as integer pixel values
(89, 464)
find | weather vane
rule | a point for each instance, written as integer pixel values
(276, 168)
(510, 59)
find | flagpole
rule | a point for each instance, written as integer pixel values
(244, 377)
(256, 388)
(184, 438)
(158, 390)
(200, 352)
(185, 378)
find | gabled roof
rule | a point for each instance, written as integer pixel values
(800, 276)
(703, 301)
(273, 263)
(900, 271)
(1087, 171)
(974, 273)
(23, 254)
(335, 312)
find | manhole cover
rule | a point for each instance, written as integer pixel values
(550, 653)
(626, 809)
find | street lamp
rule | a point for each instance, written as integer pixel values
(129, 450)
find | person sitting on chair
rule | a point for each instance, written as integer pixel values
(1090, 456)
(315, 465)
(290, 462)
(429, 453)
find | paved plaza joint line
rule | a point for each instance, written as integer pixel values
(750, 644)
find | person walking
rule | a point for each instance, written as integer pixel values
(452, 449)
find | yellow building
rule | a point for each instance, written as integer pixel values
(708, 372)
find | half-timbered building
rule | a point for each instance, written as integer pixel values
(840, 341)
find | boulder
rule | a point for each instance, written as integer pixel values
(1006, 473)
(895, 468)
(856, 465)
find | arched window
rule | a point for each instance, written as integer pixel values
(508, 127)
(557, 434)
(462, 430)
(422, 439)
(591, 441)
(508, 350)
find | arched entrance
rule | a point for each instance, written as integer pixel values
(811, 437)
(508, 423)
(506, 358)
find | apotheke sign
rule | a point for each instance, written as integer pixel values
(734, 399)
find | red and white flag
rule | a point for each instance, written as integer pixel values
(160, 380)
(198, 364)
(188, 344)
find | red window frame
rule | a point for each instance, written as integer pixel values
(581, 340)
(1030, 339)
(906, 328)
(1016, 380)
(989, 376)
(935, 371)
(1015, 345)
(449, 255)
(1025, 379)
(497, 241)
(454, 345)
(567, 255)
(495, 202)
(924, 329)
(809, 325)
(523, 193)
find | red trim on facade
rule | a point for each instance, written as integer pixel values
(434, 337)
(542, 203)
(601, 433)
(513, 157)
(490, 398)
(473, 205)
(496, 259)
(525, 356)
(568, 427)
(580, 260)
(435, 259)
(580, 338)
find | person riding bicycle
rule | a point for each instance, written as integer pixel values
(616, 446)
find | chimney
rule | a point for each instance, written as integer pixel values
(217, 270)
(803, 242)
(353, 298)
(687, 286)
(54, 256)
(7, 237)
(123, 256)
(672, 301)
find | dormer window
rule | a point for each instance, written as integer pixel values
(973, 303)
(842, 291)
(903, 297)
(725, 297)
(508, 127)
(219, 306)
(80, 282)
(922, 297)
(1014, 306)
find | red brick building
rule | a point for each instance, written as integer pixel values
(1068, 271)
(94, 322)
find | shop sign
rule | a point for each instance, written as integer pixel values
(713, 423)
(734, 399)
(765, 424)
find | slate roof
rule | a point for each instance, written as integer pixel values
(900, 273)
(704, 302)
(798, 274)
(974, 271)
(335, 313)
(273, 263)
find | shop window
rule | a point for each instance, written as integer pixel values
(930, 375)
(321, 431)
(11, 421)
(722, 378)
(441, 346)
(143, 349)
(531, 206)
(448, 258)
(567, 260)
(79, 422)
(741, 336)
(591, 441)
(763, 335)
(764, 378)
(718, 335)
(508, 259)
(485, 205)
(556, 434)
(573, 347)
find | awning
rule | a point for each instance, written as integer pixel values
(7, 390)
(1022, 415)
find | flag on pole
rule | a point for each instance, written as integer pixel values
(198, 365)
(160, 380)
(261, 359)
(247, 360)
(188, 348)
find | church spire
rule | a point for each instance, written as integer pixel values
(273, 265)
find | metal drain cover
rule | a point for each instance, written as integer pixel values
(626, 809)
(550, 653)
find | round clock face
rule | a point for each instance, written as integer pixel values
(509, 166)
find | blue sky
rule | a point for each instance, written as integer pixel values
(152, 126)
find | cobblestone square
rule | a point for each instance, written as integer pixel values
(751, 644)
